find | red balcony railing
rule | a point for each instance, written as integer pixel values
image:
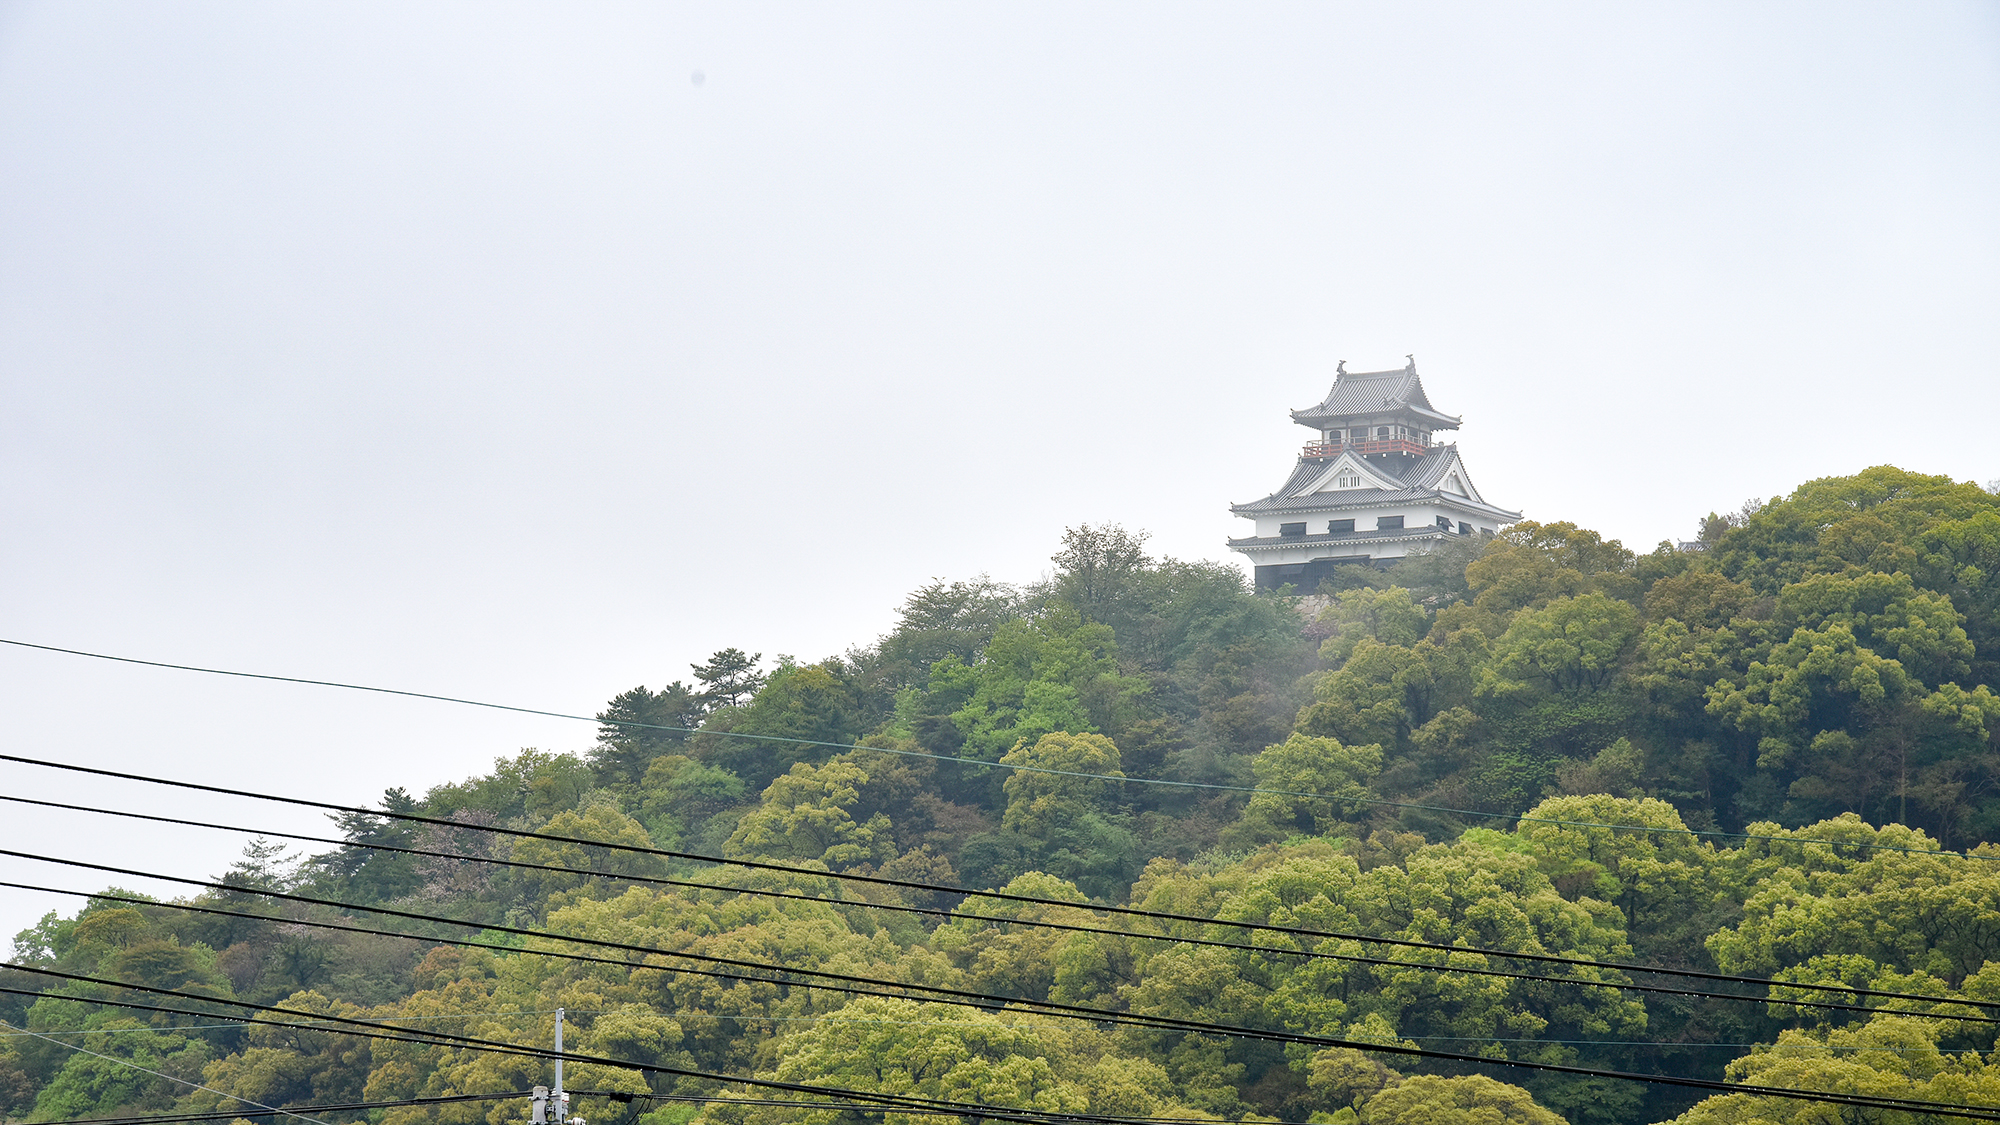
(1324, 450)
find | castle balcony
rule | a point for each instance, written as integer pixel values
(1327, 450)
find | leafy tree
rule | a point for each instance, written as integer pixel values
(1531, 564)
(93, 1085)
(1387, 616)
(1471, 1100)
(1888, 1057)
(680, 795)
(1812, 896)
(1058, 812)
(598, 822)
(1817, 680)
(1052, 673)
(286, 1066)
(1058, 779)
(46, 941)
(1571, 644)
(1829, 524)
(1961, 559)
(533, 783)
(805, 815)
(1301, 780)
(1040, 964)
(1699, 599)
(1098, 571)
(1379, 695)
(1670, 885)
(266, 865)
(1886, 613)
(794, 715)
(1345, 1078)
(932, 1051)
(945, 619)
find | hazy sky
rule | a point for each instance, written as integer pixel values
(531, 352)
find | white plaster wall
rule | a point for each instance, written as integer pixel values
(1415, 517)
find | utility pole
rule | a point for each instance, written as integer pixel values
(546, 1107)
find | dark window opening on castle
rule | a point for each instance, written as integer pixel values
(1444, 522)
(1339, 527)
(1464, 528)
(1389, 523)
(1291, 529)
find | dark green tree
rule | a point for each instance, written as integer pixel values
(944, 619)
(361, 869)
(1098, 571)
(640, 725)
(728, 677)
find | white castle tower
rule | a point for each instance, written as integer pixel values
(1369, 488)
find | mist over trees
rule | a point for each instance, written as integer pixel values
(1775, 755)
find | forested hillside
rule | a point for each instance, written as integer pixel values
(1774, 757)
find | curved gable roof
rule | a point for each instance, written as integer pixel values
(1420, 481)
(1376, 392)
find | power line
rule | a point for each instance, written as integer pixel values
(1946, 1109)
(492, 1014)
(1091, 1015)
(841, 982)
(731, 1099)
(854, 985)
(847, 979)
(159, 1074)
(345, 1107)
(443, 1039)
(947, 915)
(554, 954)
(946, 889)
(1096, 1015)
(469, 1042)
(1118, 778)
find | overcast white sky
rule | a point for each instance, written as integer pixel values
(531, 352)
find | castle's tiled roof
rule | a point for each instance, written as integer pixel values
(1419, 479)
(1375, 392)
(1302, 475)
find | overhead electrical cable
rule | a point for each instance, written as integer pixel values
(965, 998)
(374, 1030)
(345, 1107)
(608, 1095)
(842, 982)
(968, 892)
(367, 1030)
(948, 915)
(1117, 778)
(447, 1039)
(857, 985)
(129, 1064)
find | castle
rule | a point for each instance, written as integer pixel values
(1370, 488)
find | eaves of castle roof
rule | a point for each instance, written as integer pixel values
(1417, 481)
(1281, 542)
(1375, 393)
